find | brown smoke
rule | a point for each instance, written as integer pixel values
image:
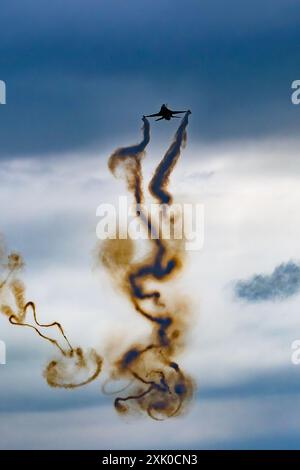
(130, 158)
(157, 384)
(71, 363)
(159, 183)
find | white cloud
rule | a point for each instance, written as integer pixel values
(251, 203)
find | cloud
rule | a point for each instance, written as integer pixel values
(214, 423)
(226, 357)
(284, 282)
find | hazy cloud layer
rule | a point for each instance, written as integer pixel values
(232, 363)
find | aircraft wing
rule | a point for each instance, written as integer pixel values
(153, 115)
(177, 112)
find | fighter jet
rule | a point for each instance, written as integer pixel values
(166, 113)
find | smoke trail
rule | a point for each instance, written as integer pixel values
(157, 384)
(159, 183)
(130, 158)
(71, 363)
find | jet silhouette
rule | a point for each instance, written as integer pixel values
(166, 113)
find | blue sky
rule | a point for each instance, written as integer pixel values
(79, 73)
(79, 76)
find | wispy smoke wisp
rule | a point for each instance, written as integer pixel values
(159, 183)
(71, 363)
(130, 158)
